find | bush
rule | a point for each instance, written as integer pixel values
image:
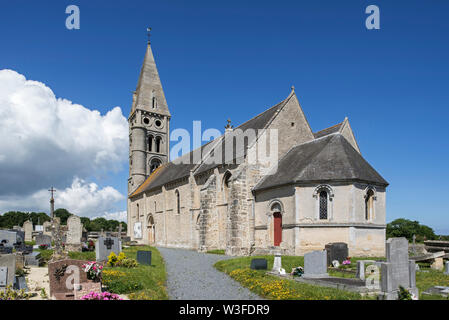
(10, 294)
(112, 259)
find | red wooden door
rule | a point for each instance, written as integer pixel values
(277, 228)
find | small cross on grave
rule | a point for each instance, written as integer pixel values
(108, 243)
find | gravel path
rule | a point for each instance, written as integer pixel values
(191, 276)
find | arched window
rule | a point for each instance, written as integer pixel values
(138, 212)
(150, 143)
(178, 202)
(154, 164)
(158, 144)
(323, 205)
(226, 185)
(369, 204)
(324, 198)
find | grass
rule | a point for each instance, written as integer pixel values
(272, 287)
(140, 283)
(217, 251)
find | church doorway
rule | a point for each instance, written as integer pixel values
(151, 230)
(277, 221)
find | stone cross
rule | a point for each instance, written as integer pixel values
(52, 202)
(108, 243)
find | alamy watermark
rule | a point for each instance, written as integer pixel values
(73, 20)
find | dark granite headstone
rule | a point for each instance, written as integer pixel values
(20, 284)
(43, 239)
(33, 259)
(336, 251)
(24, 249)
(259, 264)
(144, 257)
(5, 250)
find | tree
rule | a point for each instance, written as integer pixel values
(407, 228)
(62, 214)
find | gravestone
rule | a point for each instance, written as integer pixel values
(336, 251)
(144, 257)
(66, 276)
(3, 276)
(74, 234)
(21, 284)
(446, 268)
(47, 228)
(39, 228)
(8, 238)
(20, 236)
(398, 270)
(28, 228)
(23, 248)
(259, 264)
(437, 264)
(8, 265)
(42, 239)
(5, 250)
(106, 245)
(277, 264)
(33, 259)
(315, 264)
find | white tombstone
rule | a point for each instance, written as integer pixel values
(277, 265)
(446, 268)
(74, 233)
(28, 228)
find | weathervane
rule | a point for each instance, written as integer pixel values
(149, 33)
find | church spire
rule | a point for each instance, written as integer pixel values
(149, 94)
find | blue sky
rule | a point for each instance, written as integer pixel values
(234, 59)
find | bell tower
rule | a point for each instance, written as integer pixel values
(149, 125)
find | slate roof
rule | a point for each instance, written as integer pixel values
(328, 131)
(325, 159)
(173, 170)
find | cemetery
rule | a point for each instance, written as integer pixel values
(65, 265)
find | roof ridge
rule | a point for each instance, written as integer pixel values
(331, 127)
(272, 107)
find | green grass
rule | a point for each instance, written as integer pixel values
(272, 287)
(216, 251)
(260, 283)
(141, 283)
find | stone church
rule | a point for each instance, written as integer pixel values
(320, 189)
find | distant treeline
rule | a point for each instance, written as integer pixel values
(407, 228)
(17, 218)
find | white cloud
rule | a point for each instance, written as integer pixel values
(47, 141)
(81, 198)
(119, 216)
